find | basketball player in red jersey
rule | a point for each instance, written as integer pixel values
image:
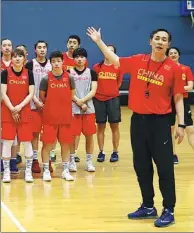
(17, 87)
(6, 50)
(24, 48)
(107, 104)
(40, 66)
(174, 54)
(56, 92)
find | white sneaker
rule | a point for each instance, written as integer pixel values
(6, 177)
(47, 175)
(67, 176)
(89, 166)
(72, 166)
(28, 176)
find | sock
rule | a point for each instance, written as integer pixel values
(18, 153)
(149, 208)
(52, 153)
(102, 151)
(29, 164)
(72, 157)
(116, 151)
(88, 157)
(35, 155)
(46, 166)
(13, 158)
(65, 165)
(6, 165)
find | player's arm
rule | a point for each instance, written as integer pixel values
(43, 89)
(120, 79)
(189, 86)
(96, 37)
(4, 96)
(190, 79)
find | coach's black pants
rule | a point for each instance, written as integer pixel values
(151, 139)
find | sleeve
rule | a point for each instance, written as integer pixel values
(72, 82)
(120, 77)
(190, 76)
(44, 84)
(96, 68)
(178, 87)
(4, 75)
(126, 64)
(29, 65)
(94, 75)
(31, 77)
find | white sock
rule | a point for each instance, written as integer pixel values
(35, 155)
(65, 165)
(28, 164)
(18, 153)
(52, 152)
(6, 165)
(45, 166)
(72, 157)
(88, 157)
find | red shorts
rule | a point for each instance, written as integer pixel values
(36, 121)
(84, 123)
(50, 133)
(23, 131)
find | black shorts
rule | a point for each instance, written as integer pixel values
(187, 113)
(107, 109)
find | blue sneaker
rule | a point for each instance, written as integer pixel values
(2, 169)
(144, 213)
(101, 157)
(13, 166)
(18, 159)
(176, 160)
(166, 219)
(114, 157)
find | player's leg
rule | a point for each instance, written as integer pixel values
(13, 161)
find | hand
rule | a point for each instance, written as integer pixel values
(79, 102)
(93, 34)
(84, 107)
(186, 88)
(39, 105)
(179, 134)
(17, 108)
(16, 117)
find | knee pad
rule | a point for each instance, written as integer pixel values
(6, 148)
(28, 151)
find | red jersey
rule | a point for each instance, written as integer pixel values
(58, 105)
(17, 91)
(3, 65)
(68, 62)
(109, 80)
(152, 84)
(187, 75)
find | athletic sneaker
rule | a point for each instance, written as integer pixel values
(89, 166)
(53, 155)
(2, 168)
(36, 166)
(166, 219)
(77, 159)
(18, 159)
(47, 175)
(144, 213)
(13, 166)
(67, 176)
(72, 166)
(101, 157)
(28, 176)
(6, 177)
(114, 157)
(176, 160)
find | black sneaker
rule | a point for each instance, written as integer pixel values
(53, 158)
(77, 159)
(114, 157)
(101, 157)
(176, 160)
(18, 159)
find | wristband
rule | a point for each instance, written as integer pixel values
(182, 126)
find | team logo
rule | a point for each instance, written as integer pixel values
(166, 67)
(24, 77)
(183, 77)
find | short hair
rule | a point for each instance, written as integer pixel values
(56, 54)
(22, 45)
(161, 30)
(74, 37)
(19, 52)
(168, 50)
(80, 52)
(114, 48)
(5, 39)
(40, 41)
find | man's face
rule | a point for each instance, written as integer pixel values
(57, 63)
(80, 61)
(174, 55)
(18, 60)
(6, 47)
(160, 42)
(72, 44)
(41, 49)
